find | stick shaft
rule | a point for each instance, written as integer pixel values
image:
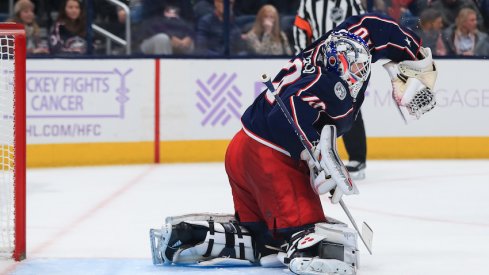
(350, 217)
(303, 139)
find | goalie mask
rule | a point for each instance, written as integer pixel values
(347, 55)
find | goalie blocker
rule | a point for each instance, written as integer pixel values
(332, 175)
(217, 239)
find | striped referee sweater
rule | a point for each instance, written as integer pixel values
(316, 17)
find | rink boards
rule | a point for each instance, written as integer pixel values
(108, 111)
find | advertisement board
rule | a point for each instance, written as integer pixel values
(86, 101)
(104, 111)
(85, 112)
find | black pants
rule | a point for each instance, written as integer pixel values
(356, 141)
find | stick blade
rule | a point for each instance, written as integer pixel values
(368, 235)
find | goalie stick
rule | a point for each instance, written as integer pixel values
(367, 231)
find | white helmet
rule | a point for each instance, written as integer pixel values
(347, 55)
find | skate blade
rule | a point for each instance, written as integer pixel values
(155, 236)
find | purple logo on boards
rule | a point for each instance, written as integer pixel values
(77, 94)
(218, 99)
(259, 88)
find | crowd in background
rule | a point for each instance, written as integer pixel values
(248, 27)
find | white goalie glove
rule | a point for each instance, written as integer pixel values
(319, 183)
(332, 173)
(412, 83)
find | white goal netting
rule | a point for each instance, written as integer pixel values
(7, 146)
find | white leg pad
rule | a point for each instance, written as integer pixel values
(192, 242)
(325, 249)
(340, 234)
(215, 243)
(317, 266)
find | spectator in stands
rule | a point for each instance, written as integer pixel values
(288, 7)
(377, 5)
(484, 9)
(136, 7)
(450, 8)
(401, 12)
(24, 14)
(464, 38)
(248, 7)
(418, 6)
(167, 33)
(202, 7)
(4, 9)
(210, 32)
(47, 11)
(110, 17)
(151, 8)
(266, 36)
(68, 35)
(429, 30)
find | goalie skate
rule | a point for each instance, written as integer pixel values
(159, 238)
(356, 169)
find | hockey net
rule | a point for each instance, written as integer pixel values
(12, 141)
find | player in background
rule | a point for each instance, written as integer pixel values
(275, 184)
(314, 18)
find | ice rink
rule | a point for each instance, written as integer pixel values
(428, 217)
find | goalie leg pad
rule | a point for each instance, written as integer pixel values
(313, 266)
(191, 242)
(339, 236)
(332, 246)
(204, 216)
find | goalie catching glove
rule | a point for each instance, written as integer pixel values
(332, 173)
(412, 83)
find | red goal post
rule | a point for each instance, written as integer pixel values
(12, 141)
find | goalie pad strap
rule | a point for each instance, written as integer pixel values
(209, 248)
(228, 250)
(229, 246)
(222, 240)
(238, 229)
(240, 236)
(211, 241)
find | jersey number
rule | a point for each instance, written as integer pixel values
(291, 77)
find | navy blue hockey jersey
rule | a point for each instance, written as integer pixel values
(316, 97)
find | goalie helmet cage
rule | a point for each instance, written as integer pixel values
(12, 141)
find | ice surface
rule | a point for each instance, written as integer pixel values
(428, 217)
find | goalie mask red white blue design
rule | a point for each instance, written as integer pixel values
(347, 55)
